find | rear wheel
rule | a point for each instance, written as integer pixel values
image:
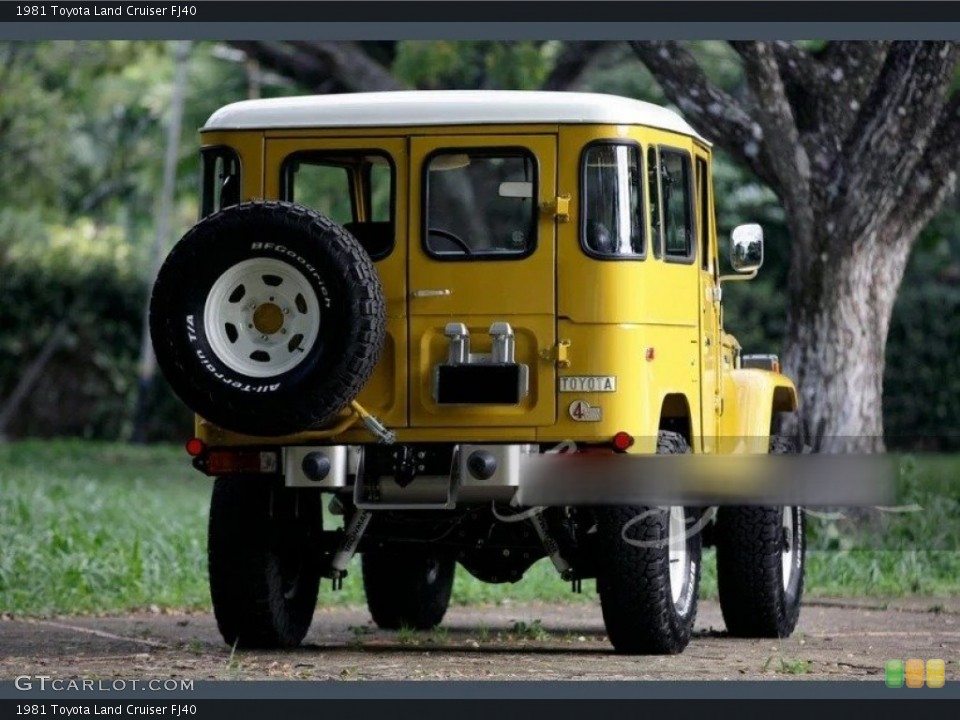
(648, 571)
(760, 565)
(407, 589)
(264, 561)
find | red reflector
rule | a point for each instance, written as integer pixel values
(224, 462)
(195, 447)
(622, 441)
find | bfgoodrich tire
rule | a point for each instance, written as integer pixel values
(648, 571)
(408, 589)
(263, 560)
(267, 318)
(761, 553)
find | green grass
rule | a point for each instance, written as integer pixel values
(93, 527)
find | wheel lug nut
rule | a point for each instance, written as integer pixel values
(263, 337)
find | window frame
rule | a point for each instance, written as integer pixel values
(354, 179)
(502, 151)
(582, 210)
(691, 257)
(209, 155)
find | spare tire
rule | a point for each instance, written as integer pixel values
(267, 318)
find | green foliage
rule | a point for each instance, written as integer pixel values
(84, 277)
(533, 630)
(921, 401)
(473, 64)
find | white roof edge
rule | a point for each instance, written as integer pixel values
(445, 107)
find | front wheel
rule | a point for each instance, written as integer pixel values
(648, 571)
(409, 589)
(761, 553)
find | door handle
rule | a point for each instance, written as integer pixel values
(431, 293)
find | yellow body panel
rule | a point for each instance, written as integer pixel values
(750, 398)
(653, 324)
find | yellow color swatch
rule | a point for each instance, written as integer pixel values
(914, 673)
(936, 673)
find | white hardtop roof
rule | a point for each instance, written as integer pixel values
(444, 107)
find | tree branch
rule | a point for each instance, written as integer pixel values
(785, 154)
(33, 372)
(852, 70)
(570, 65)
(854, 66)
(351, 66)
(889, 138)
(935, 176)
(323, 66)
(797, 66)
(715, 113)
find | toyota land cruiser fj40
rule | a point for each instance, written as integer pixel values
(395, 302)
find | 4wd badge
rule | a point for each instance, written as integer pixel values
(588, 383)
(582, 411)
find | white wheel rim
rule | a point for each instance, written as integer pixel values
(678, 555)
(788, 549)
(261, 317)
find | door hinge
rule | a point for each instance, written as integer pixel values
(559, 207)
(559, 353)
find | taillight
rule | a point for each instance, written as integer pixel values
(229, 462)
(195, 447)
(622, 441)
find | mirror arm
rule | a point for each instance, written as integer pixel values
(738, 277)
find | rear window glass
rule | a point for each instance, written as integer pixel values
(480, 203)
(353, 188)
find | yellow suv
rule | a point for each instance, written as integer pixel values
(403, 301)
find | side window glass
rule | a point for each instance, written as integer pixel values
(220, 181)
(653, 182)
(612, 199)
(703, 193)
(480, 203)
(675, 185)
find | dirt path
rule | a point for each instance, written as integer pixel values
(848, 639)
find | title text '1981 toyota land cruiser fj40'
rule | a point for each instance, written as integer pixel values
(395, 302)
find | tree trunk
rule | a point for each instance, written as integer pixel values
(837, 325)
(148, 360)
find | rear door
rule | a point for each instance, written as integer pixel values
(356, 181)
(482, 253)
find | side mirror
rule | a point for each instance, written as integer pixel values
(746, 248)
